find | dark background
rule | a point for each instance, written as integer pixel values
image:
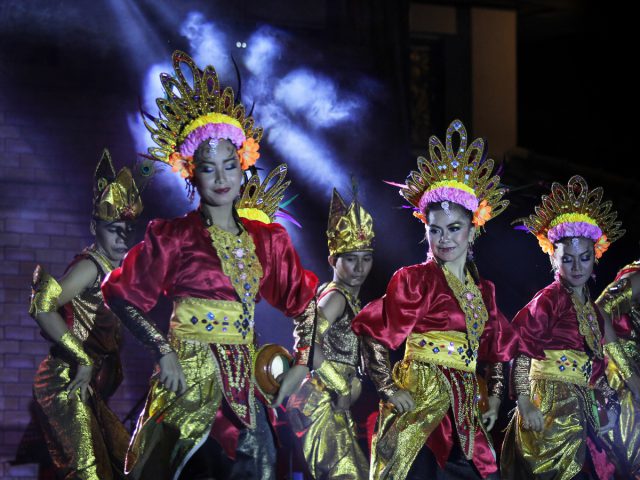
(72, 74)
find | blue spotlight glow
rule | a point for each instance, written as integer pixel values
(209, 44)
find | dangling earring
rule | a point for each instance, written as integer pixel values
(470, 252)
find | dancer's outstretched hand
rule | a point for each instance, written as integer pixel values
(531, 416)
(402, 401)
(171, 374)
(290, 383)
(490, 416)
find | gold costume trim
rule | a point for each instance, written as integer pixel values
(376, 359)
(332, 378)
(303, 333)
(471, 303)
(616, 298)
(45, 291)
(571, 366)
(211, 321)
(448, 348)
(72, 345)
(520, 375)
(616, 353)
(588, 324)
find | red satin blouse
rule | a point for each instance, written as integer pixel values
(177, 259)
(418, 299)
(549, 322)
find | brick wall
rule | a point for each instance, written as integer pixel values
(50, 140)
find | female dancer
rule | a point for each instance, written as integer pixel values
(84, 437)
(319, 412)
(448, 316)
(213, 265)
(621, 300)
(556, 425)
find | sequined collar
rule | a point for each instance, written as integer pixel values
(587, 319)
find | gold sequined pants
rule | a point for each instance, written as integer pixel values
(623, 441)
(400, 436)
(328, 437)
(86, 440)
(559, 451)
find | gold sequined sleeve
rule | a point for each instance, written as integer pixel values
(303, 333)
(45, 291)
(520, 383)
(142, 328)
(376, 360)
(616, 353)
(495, 379)
(616, 298)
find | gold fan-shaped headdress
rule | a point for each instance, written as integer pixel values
(461, 176)
(195, 109)
(115, 197)
(574, 211)
(350, 229)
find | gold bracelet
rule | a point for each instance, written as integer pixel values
(45, 291)
(332, 379)
(72, 345)
(615, 352)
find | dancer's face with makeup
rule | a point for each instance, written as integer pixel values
(573, 260)
(218, 175)
(449, 232)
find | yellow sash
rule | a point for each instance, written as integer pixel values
(211, 321)
(571, 366)
(447, 348)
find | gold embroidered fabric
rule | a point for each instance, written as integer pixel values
(615, 352)
(85, 440)
(495, 379)
(616, 298)
(470, 300)
(559, 450)
(73, 346)
(520, 382)
(303, 332)
(328, 437)
(588, 324)
(331, 378)
(448, 348)
(572, 366)
(45, 291)
(338, 342)
(378, 365)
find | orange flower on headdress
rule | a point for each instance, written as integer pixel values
(249, 153)
(545, 244)
(420, 216)
(184, 166)
(483, 214)
(601, 246)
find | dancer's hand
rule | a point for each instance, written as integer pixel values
(402, 401)
(530, 414)
(290, 383)
(490, 416)
(612, 419)
(81, 382)
(171, 374)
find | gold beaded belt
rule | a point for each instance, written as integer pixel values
(449, 349)
(212, 321)
(571, 366)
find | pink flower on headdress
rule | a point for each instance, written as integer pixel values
(545, 243)
(249, 153)
(601, 246)
(483, 214)
(182, 165)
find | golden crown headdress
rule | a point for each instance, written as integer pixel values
(574, 211)
(195, 111)
(461, 176)
(115, 197)
(350, 229)
(261, 200)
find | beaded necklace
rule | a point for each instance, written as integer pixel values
(475, 312)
